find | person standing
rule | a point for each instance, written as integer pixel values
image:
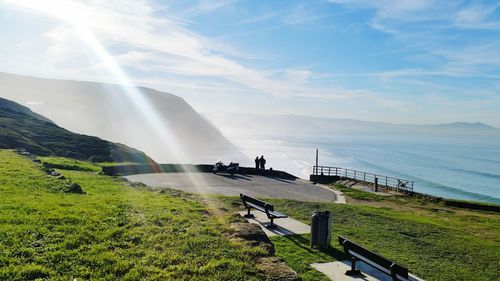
(262, 162)
(257, 163)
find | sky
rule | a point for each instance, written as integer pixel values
(398, 61)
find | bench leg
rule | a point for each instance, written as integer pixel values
(271, 225)
(353, 270)
(394, 274)
(248, 215)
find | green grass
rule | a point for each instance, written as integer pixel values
(112, 232)
(119, 232)
(70, 164)
(77, 165)
(433, 241)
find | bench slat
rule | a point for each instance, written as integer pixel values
(262, 206)
(277, 215)
(373, 259)
(257, 207)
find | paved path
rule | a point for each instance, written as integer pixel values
(251, 185)
(283, 227)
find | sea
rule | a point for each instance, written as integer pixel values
(458, 167)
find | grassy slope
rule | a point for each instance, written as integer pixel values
(434, 242)
(19, 130)
(77, 165)
(114, 231)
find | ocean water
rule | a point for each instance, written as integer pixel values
(452, 167)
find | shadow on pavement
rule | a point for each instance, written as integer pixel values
(236, 177)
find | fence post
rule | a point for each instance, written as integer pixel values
(354, 174)
(376, 184)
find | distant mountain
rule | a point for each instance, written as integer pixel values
(297, 125)
(162, 125)
(466, 126)
(22, 128)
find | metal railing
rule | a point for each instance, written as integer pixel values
(382, 181)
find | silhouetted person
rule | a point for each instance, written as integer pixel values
(257, 163)
(262, 162)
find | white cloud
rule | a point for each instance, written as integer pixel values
(153, 44)
(477, 16)
(206, 6)
(440, 32)
(153, 40)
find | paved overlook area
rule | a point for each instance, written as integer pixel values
(251, 185)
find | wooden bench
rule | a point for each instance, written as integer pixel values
(268, 209)
(356, 252)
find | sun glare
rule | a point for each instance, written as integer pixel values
(79, 18)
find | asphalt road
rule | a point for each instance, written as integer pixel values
(251, 185)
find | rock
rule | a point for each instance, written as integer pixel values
(137, 184)
(61, 177)
(74, 188)
(55, 174)
(121, 179)
(46, 165)
(49, 171)
(275, 269)
(253, 235)
(38, 161)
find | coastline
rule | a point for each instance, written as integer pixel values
(433, 176)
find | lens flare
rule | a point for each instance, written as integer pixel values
(78, 17)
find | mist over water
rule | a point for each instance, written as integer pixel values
(454, 160)
(451, 167)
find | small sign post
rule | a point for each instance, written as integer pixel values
(316, 168)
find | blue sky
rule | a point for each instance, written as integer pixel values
(403, 61)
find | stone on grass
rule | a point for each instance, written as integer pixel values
(253, 235)
(137, 184)
(275, 269)
(74, 188)
(49, 171)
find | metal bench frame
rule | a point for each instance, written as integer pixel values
(356, 252)
(268, 209)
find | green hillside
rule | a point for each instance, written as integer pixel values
(22, 128)
(114, 232)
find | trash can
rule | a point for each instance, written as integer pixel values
(321, 229)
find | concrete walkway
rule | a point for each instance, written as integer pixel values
(251, 185)
(283, 227)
